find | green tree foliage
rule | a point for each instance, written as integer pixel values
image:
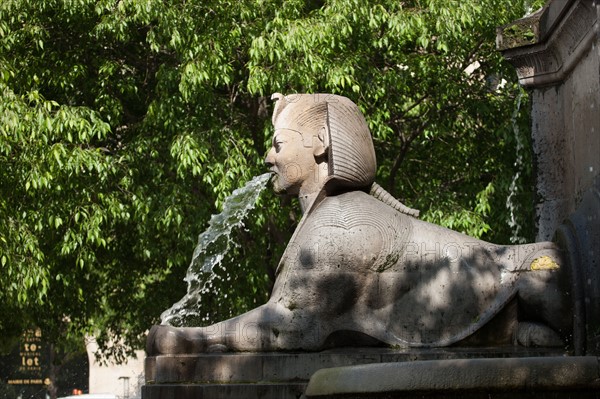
(125, 123)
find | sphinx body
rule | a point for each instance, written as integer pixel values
(359, 266)
(363, 271)
(358, 272)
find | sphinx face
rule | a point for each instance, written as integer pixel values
(292, 161)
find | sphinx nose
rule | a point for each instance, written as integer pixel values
(269, 161)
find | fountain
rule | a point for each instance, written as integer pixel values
(212, 246)
(362, 272)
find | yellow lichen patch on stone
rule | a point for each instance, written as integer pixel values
(544, 263)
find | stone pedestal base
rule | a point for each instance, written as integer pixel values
(283, 375)
(550, 377)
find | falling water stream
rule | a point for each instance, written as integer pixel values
(212, 247)
(511, 203)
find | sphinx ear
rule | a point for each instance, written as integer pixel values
(321, 143)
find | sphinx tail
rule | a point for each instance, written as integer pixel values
(382, 195)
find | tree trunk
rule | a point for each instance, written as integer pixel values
(53, 371)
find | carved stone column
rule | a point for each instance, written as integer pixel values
(556, 55)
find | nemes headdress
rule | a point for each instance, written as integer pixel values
(351, 158)
(351, 155)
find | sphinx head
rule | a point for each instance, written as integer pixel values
(320, 140)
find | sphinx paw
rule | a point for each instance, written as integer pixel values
(167, 340)
(531, 334)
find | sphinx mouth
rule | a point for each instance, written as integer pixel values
(272, 177)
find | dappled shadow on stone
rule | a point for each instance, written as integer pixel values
(357, 267)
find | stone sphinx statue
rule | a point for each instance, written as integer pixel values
(362, 270)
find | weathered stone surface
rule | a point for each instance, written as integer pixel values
(277, 367)
(219, 391)
(581, 234)
(276, 375)
(462, 376)
(562, 69)
(546, 46)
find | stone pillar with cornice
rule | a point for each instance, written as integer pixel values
(557, 58)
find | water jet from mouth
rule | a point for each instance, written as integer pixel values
(213, 245)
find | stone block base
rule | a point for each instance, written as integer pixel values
(284, 375)
(223, 391)
(551, 377)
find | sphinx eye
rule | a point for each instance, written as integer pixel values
(277, 144)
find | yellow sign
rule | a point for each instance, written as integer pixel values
(31, 352)
(26, 381)
(29, 361)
